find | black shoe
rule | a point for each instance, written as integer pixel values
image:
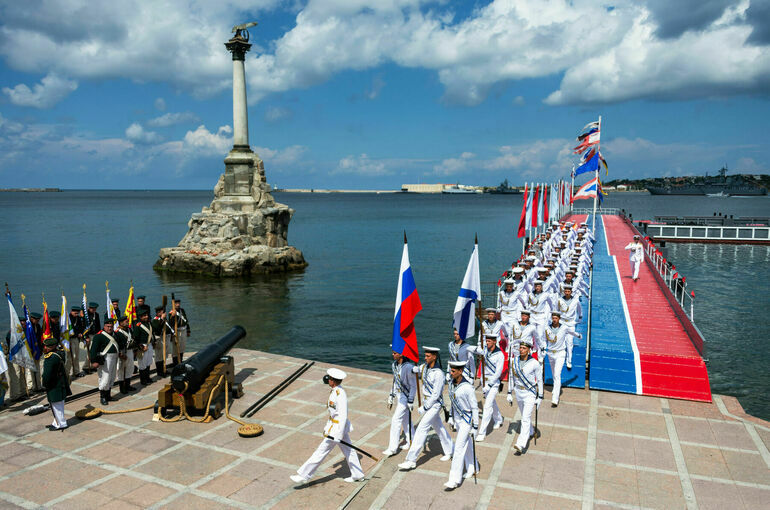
(81, 374)
(136, 370)
(122, 387)
(129, 388)
(104, 400)
(159, 370)
(554, 405)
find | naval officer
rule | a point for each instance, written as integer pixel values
(465, 409)
(433, 403)
(337, 428)
(636, 256)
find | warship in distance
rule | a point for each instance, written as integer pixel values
(735, 185)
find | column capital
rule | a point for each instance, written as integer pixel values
(238, 47)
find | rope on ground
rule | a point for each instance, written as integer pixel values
(90, 412)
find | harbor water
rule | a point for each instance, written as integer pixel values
(340, 309)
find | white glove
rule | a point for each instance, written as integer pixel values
(538, 401)
(580, 335)
(410, 406)
(421, 410)
(390, 400)
(451, 421)
(486, 390)
(448, 377)
(569, 365)
(510, 399)
(475, 431)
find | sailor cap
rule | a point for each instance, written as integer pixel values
(490, 335)
(556, 312)
(457, 364)
(526, 341)
(568, 286)
(430, 349)
(518, 269)
(636, 237)
(509, 281)
(526, 311)
(539, 282)
(531, 257)
(542, 269)
(336, 373)
(490, 310)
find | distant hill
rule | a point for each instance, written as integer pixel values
(762, 180)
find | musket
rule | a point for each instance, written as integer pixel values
(356, 448)
(163, 337)
(176, 327)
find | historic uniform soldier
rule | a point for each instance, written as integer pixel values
(144, 339)
(527, 381)
(93, 326)
(104, 358)
(177, 317)
(158, 325)
(558, 346)
(78, 323)
(402, 393)
(337, 428)
(433, 403)
(125, 355)
(34, 382)
(15, 374)
(465, 409)
(636, 257)
(115, 310)
(55, 382)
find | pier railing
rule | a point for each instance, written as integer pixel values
(705, 234)
(612, 211)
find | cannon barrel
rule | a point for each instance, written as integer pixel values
(188, 376)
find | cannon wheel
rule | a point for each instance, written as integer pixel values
(215, 410)
(237, 390)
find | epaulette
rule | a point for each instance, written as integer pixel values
(48, 355)
(337, 391)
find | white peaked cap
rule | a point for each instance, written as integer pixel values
(336, 373)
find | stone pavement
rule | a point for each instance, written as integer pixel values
(596, 450)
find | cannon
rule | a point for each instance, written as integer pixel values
(198, 383)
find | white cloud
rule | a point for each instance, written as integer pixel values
(205, 142)
(51, 89)
(169, 119)
(361, 165)
(276, 113)
(160, 104)
(519, 100)
(454, 165)
(287, 156)
(136, 133)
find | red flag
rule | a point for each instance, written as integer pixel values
(545, 204)
(523, 219)
(47, 322)
(535, 205)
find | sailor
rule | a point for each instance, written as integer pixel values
(539, 303)
(578, 288)
(460, 350)
(522, 329)
(527, 381)
(144, 339)
(493, 370)
(337, 429)
(569, 306)
(433, 403)
(636, 256)
(493, 326)
(104, 358)
(506, 300)
(93, 326)
(55, 382)
(465, 409)
(557, 345)
(402, 394)
(178, 318)
(159, 324)
(126, 347)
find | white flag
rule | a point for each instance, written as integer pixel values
(470, 293)
(18, 345)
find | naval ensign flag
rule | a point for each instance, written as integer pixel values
(470, 292)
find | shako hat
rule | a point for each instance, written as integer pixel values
(50, 342)
(93, 304)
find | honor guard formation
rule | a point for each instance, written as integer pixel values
(45, 351)
(537, 310)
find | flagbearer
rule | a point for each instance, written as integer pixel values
(34, 383)
(527, 382)
(115, 311)
(433, 403)
(493, 370)
(125, 355)
(558, 347)
(55, 382)
(337, 428)
(158, 325)
(144, 339)
(465, 408)
(104, 358)
(402, 394)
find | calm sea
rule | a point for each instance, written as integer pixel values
(340, 309)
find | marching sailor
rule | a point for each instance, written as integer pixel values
(55, 382)
(433, 403)
(144, 339)
(558, 347)
(539, 302)
(104, 358)
(520, 330)
(527, 381)
(460, 350)
(493, 370)
(465, 408)
(337, 429)
(636, 256)
(125, 355)
(571, 311)
(402, 393)
(506, 300)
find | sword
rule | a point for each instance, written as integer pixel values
(356, 448)
(535, 425)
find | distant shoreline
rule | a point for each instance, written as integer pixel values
(30, 190)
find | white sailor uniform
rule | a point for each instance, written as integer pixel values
(433, 402)
(463, 352)
(465, 410)
(493, 370)
(571, 311)
(540, 305)
(402, 395)
(519, 332)
(527, 381)
(635, 257)
(337, 427)
(557, 344)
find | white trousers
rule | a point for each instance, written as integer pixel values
(556, 359)
(462, 457)
(59, 421)
(491, 410)
(159, 350)
(16, 387)
(125, 367)
(106, 371)
(145, 358)
(526, 401)
(431, 418)
(182, 338)
(399, 422)
(327, 445)
(33, 380)
(635, 264)
(510, 316)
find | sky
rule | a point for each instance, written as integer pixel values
(371, 94)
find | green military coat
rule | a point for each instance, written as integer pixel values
(54, 377)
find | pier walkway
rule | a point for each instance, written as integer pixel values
(638, 342)
(596, 450)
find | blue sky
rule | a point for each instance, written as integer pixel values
(372, 94)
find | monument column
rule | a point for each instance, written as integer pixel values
(238, 47)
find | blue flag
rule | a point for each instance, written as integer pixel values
(29, 333)
(592, 165)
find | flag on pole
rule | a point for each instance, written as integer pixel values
(46, 322)
(407, 307)
(110, 308)
(525, 220)
(470, 292)
(29, 333)
(19, 351)
(85, 309)
(535, 204)
(591, 165)
(544, 208)
(65, 326)
(131, 307)
(587, 190)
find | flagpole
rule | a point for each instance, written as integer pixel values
(596, 175)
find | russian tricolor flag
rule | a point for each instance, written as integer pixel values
(407, 307)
